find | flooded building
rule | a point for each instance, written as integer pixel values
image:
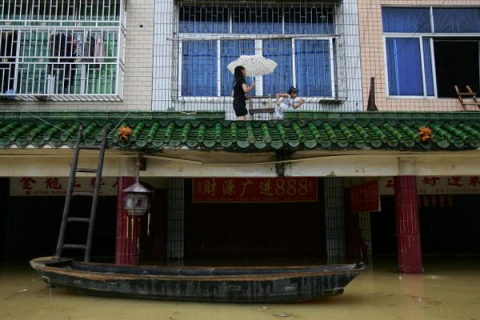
(239, 191)
(423, 57)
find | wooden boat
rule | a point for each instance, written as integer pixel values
(218, 284)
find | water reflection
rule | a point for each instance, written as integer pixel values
(448, 290)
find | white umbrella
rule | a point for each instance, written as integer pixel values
(256, 65)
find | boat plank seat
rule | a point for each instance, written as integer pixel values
(468, 98)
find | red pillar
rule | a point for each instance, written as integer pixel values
(408, 225)
(126, 248)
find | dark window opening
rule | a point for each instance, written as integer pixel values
(456, 63)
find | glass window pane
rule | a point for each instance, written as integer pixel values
(230, 51)
(447, 20)
(313, 20)
(427, 61)
(279, 51)
(199, 68)
(404, 67)
(257, 20)
(202, 19)
(312, 61)
(406, 20)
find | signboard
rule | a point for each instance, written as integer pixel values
(437, 185)
(57, 186)
(255, 190)
(365, 197)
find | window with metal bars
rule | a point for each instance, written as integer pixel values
(300, 38)
(61, 49)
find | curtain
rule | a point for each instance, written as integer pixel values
(427, 62)
(404, 67)
(203, 19)
(199, 68)
(312, 59)
(449, 20)
(260, 20)
(301, 20)
(231, 50)
(279, 51)
(406, 20)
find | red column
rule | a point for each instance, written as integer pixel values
(408, 225)
(126, 249)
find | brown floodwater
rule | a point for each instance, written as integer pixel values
(449, 289)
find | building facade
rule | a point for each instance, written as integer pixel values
(159, 68)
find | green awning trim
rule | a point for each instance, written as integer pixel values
(154, 131)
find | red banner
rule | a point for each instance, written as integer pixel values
(254, 189)
(365, 197)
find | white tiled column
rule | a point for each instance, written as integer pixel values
(163, 47)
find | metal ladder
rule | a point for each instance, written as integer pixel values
(70, 194)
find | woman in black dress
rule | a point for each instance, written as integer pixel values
(240, 87)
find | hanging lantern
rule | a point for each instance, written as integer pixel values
(137, 200)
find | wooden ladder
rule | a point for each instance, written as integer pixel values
(472, 96)
(70, 194)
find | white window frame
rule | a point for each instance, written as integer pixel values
(421, 37)
(258, 48)
(177, 94)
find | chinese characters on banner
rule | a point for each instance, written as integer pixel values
(254, 189)
(365, 197)
(55, 186)
(437, 185)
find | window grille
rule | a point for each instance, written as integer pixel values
(176, 219)
(334, 220)
(65, 50)
(309, 40)
(300, 39)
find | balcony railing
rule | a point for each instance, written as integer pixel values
(61, 50)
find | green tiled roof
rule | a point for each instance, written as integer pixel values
(153, 131)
